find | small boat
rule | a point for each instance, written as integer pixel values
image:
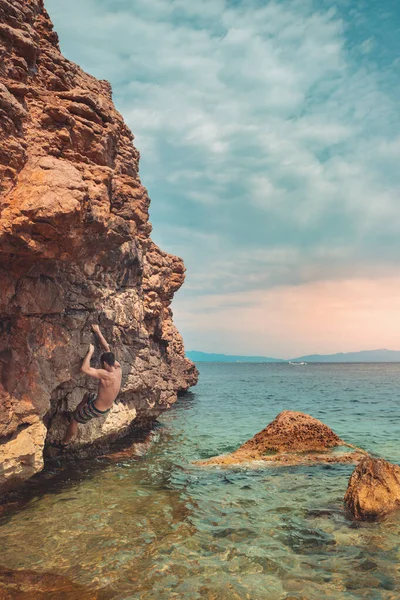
(297, 363)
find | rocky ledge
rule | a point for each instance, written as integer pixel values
(292, 438)
(75, 249)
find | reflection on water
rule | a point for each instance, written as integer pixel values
(159, 527)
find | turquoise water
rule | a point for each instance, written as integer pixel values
(158, 527)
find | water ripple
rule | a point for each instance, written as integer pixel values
(161, 528)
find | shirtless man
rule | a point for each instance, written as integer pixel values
(109, 377)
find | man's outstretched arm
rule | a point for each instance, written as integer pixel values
(101, 338)
(88, 370)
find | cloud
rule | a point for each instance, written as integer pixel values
(269, 132)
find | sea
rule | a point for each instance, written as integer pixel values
(155, 526)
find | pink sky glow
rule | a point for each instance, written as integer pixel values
(323, 317)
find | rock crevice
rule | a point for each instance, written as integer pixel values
(75, 249)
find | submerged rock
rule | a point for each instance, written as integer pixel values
(373, 490)
(74, 250)
(291, 438)
(18, 584)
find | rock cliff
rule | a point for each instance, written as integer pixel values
(75, 249)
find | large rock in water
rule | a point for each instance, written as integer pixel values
(373, 490)
(74, 250)
(293, 432)
(291, 438)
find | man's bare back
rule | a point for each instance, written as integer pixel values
(109, 386)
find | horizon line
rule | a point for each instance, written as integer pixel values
(292, 357)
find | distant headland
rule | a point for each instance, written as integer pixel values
(364, 356)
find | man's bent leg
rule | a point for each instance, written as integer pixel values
(71, 431)
(73, 426)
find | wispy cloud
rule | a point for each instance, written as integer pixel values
(269, 132)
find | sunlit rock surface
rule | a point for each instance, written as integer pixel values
(291, 438)
(373, 490)
(74, 250)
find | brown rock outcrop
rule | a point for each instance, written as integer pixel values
(291, 438)
(74, 250)
(293, 432)
(373, 490)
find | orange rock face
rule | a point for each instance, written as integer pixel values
(373, 490)
(74, 250)
(291, 438)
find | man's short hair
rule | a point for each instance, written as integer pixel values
(108, 358)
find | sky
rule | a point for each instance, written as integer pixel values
(270, 141)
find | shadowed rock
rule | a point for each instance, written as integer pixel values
(291, 438)
(373, 490)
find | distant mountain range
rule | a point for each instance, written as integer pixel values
(205, 357)
(369, 356)
(365, 356)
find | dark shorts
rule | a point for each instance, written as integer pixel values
(88, 411)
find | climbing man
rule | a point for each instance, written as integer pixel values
(109, 376)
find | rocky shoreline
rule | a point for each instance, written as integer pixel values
(75, 250)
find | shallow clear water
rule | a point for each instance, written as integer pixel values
(161, 528)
